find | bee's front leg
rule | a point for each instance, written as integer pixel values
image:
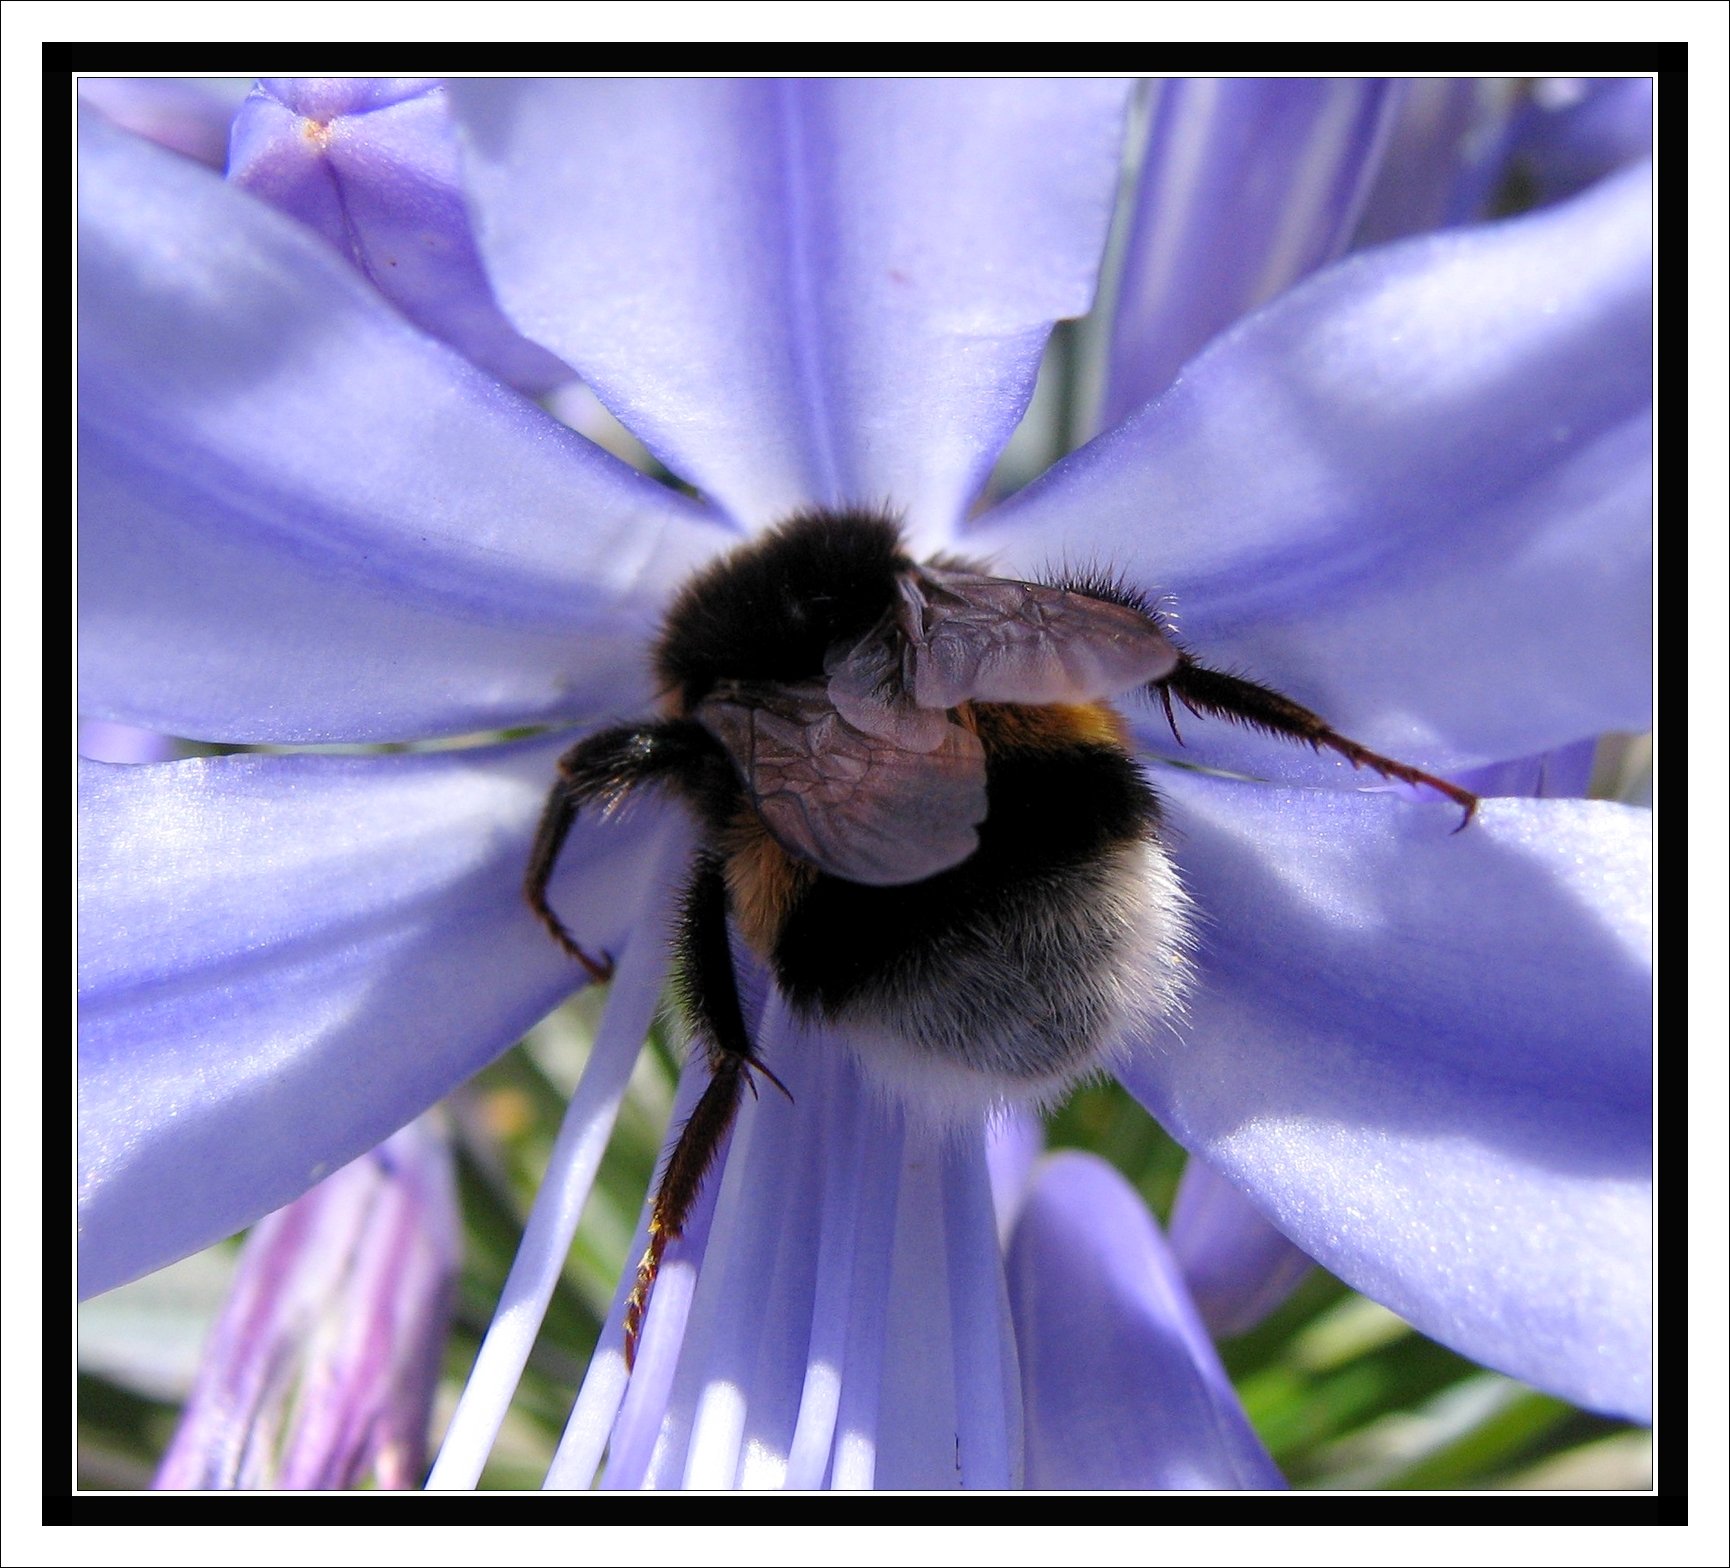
(604, 768)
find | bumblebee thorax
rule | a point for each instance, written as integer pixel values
(772, 609)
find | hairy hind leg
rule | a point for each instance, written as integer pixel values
(708, 987)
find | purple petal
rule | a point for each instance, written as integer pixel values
(1551, 775)
(855, 1209)
(1576, 131)
(101, 741)
(853, 1464)
(1426, 1057)
(1444, 157)
(373, 166)
(735, 1396)
(1014, 1142)
(301, 520)
(919, 1415)
(1123, 1388)
(184, 114)
(989, 1440)
(800, 291)
(848, 1324)
(322, 1368)
(1414, 494)
(633, 995)
(1238, 1267)
(284, 959)
(1247, 186)
(622, 1412)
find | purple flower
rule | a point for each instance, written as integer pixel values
(321, 1371)
(1413, 492)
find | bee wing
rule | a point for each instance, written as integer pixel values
(991, 639)
(884, 807)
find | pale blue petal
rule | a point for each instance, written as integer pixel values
(302, 520)
(1414, 494)
(1014, 1141)
(1123, 1387)
(1551, 775)
(1426, 1056)
(917, 1419)
(735, 1397)
(284, 959)
(1238, 1267)
(187, 115)
(784, 1371)
(101, 741)
(624, 1413)
(1576, 130)
(799, 292)
(1444, 158)
(1248, 185)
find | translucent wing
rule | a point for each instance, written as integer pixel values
(990, 639)
(894, 804)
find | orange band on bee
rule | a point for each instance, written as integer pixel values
(763, 881)
(1049, 726)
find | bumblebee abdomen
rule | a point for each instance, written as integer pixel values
(1020, 968)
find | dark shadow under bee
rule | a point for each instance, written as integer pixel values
(917, 807)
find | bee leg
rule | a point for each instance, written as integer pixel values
(709, 990)
(556, 823)
(1207, 693)
(603, 768)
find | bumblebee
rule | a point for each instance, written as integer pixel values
(918, 810)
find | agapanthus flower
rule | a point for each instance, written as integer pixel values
(321, 1371)
(1413, 491)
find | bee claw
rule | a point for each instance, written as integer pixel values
(1170, 717)
(600, 970)
(757, 1066)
